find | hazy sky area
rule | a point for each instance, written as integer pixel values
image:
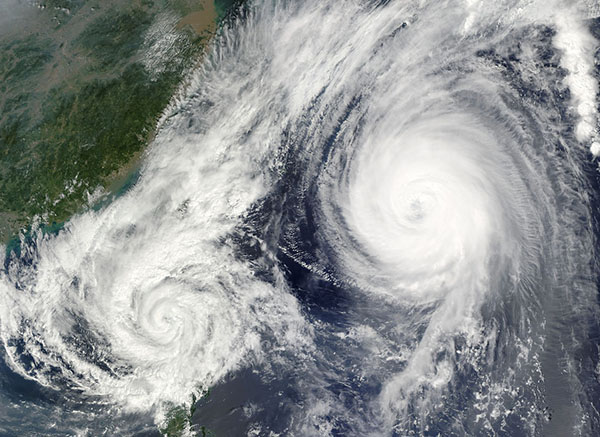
(12, 12)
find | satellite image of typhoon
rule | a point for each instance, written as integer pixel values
(299, 218)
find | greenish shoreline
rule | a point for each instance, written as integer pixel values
(80, 101)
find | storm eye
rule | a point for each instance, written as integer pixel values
(416, 210)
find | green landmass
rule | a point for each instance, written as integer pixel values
(82, 85)
(179, 420)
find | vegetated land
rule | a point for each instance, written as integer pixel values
(82, 84)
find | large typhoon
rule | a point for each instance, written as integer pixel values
(383, 208)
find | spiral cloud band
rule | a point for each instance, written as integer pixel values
(385, 210)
